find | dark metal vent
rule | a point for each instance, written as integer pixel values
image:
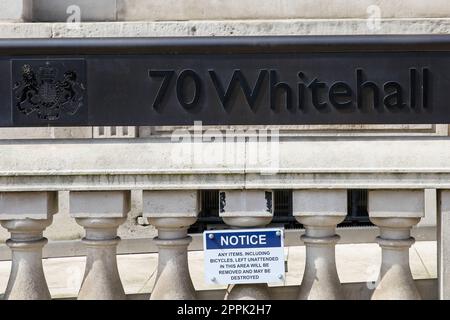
(283, 209)
(357, 214)
(283, 203)
(209, 211)
(209, 203)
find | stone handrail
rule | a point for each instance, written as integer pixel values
(157, 163)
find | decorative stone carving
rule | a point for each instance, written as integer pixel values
(49, 91)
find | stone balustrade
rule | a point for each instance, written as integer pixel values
(26, 214)
(318, 171)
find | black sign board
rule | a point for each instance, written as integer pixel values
(225, 80)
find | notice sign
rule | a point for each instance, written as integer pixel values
(244, 256)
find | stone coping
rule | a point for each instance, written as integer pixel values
(161, 164)
(224, 28)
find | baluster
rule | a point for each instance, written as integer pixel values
(320, 211)
(395, 212)
(172, 212)
(26, 215)
(100, 213)
(246, 209)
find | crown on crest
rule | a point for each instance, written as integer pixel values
(47, 72)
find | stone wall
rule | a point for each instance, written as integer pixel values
(16, 10)
(166, 10)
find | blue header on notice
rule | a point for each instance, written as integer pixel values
(240, 240)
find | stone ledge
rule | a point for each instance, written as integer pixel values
(46, 133)
(224, 28)
(153, 156)
(166, 131)
(315, 130)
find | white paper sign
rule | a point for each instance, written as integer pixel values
(244, 256)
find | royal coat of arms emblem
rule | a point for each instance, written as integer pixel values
(48, 92)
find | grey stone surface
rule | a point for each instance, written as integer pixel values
(278, 9)
(225, 28)
(163, 10)
(246, 203)
(132, 228)
(62, 10)
(99, 204)
(16, 10)
(46, 133)
(396, 203)
(28, 205)
(319, 202)
(64, 226)
(25, 30)
(250, 28)
(171, 203)
(318, 130)
(150, 164)
(430, 209)
(444, 244)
